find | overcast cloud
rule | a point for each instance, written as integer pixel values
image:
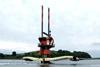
(75, 24)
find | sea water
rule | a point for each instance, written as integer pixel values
(61, 63)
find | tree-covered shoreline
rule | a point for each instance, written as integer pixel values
(53, 53)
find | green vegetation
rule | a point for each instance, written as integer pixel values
(58, 53)
(68, 53)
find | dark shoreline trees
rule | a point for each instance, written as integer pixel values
(53, 53)
(79, 54)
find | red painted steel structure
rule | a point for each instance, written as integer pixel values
(45, 42)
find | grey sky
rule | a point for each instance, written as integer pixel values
(75, 24)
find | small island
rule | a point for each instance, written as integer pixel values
(53, 53)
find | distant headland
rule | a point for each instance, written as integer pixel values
(53, 53)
